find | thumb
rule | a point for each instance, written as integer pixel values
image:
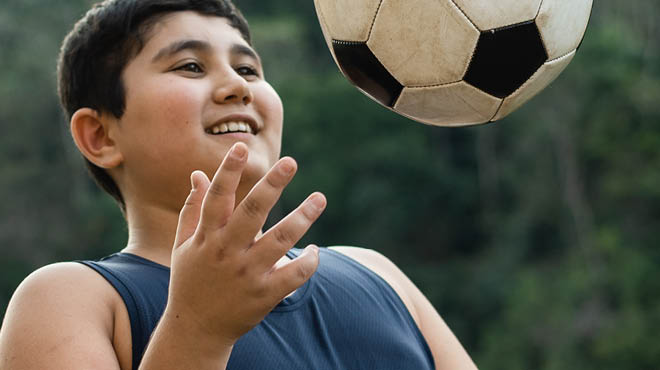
(189, 215)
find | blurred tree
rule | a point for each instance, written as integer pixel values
(534, 237)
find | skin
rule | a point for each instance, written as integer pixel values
(213, 244)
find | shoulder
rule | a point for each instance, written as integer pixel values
(388, 271)
(66, 283)
(59, 313)
(448, 353)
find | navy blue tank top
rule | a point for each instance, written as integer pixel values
(344, 317)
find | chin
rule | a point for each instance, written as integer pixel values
(255, 169)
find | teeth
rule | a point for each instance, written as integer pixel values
(231, 127)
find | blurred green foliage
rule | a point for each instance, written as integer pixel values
(535, 237)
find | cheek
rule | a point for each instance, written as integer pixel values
(275, 113)
(161, 115)
(271, 108)
(172, 106)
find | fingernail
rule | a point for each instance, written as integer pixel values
(193, 182)
(238, 152)
(318, 201)
(286, 168)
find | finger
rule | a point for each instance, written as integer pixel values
(189, 214)
(289, 277)
(283, 236)
(250, 215)
(220, 198)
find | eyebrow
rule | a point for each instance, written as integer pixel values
(179, 46)
(240, 49)
(203, 46)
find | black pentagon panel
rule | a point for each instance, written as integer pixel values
(364, 70)
(505, 58)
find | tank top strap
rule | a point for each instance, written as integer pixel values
(143, 286)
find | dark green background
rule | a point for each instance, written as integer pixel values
(536, 237)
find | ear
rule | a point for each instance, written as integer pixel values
(93, 135)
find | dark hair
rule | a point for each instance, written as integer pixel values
(95, 53)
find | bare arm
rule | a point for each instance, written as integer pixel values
(448, 353)
(64, 316)
(52, 322)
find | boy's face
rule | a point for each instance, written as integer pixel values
(194, 73)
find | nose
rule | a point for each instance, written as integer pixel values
(232, 88)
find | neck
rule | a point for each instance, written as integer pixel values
(151, 232)
(152, 226)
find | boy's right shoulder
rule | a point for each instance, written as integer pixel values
(67, 283)
(63, 315)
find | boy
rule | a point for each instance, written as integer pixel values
(159, 93)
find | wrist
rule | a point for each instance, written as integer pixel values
(193, 333)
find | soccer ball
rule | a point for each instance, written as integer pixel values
(453, 62)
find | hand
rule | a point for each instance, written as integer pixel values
(223, 278)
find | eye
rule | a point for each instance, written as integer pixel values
(247, 71)
(190, 67)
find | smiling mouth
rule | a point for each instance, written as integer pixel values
(230, 127)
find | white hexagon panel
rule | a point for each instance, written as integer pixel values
(347, 20)
(455, 104)
(562, 24)
(410, 38)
